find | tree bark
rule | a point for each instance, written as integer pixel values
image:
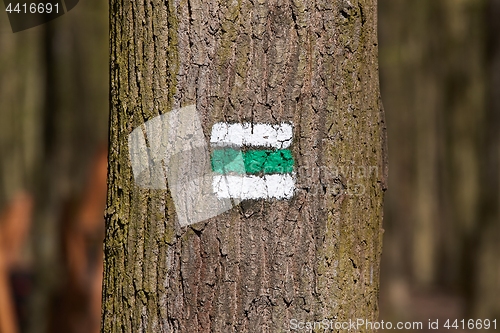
(263, 263)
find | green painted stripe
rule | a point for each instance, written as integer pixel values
(230, 160)
(268, 161)
(227, 161)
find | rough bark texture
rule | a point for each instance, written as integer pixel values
(257, 266)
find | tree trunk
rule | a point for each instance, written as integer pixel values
(266, 264)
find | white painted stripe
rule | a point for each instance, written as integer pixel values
(277, 136)
(279, 186)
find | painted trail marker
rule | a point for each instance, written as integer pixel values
(248, 161)
(245, 166)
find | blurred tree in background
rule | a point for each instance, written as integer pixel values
(442, 204)
(75, 125)
(22, 98)
(486, 280)
(54, 115)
